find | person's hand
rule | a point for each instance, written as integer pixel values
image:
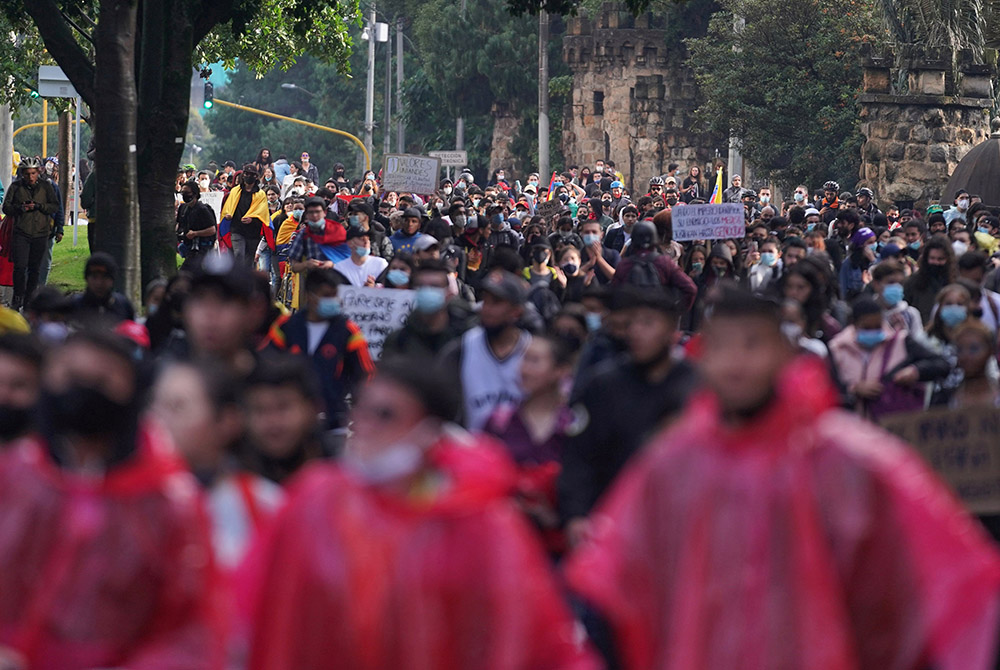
(190, 235)
(59, 237)
(560, 277)
(313, 263)
(908, 376)
(595, 250)
(326, 265)
(868, 389)
(578, 531)
(246, 219)
(28, 206)
(370, 282)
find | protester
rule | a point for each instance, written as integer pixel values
(30, 202)
(100, 300)
(21, 360)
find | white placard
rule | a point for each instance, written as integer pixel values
(405, 173)
(708, 222)
(451, 158)
(377, 311)
(214, 200)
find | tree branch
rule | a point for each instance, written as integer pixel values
(207, 15)
(60, 43)
(84, 34)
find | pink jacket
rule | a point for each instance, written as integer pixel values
(856, 364)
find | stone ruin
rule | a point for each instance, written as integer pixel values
(629, 102)
(915, 137)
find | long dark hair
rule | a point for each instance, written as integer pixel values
(922, 278)
(816, 305)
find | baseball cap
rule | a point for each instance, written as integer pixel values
(505, 286)
(357, 232)
(425, 242)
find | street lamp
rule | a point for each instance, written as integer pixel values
(381, 34)
(296, 87)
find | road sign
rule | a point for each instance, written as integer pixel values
(451, 158)
(53, 83)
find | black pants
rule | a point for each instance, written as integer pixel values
(27, 254)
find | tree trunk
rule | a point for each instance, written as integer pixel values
(65, 155)
(164, 79)
(115, 138)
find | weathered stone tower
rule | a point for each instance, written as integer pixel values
(915, 139)
(629, 103)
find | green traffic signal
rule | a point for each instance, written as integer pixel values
(209, 95)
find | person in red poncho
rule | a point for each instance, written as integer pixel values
(105, 560)
(767, 529)
(408, 556)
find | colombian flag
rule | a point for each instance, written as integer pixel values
(717, 191)
(258, 210)
(548, 196)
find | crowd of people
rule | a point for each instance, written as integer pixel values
(590, 445)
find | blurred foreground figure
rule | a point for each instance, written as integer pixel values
(105, 560)
(408, 555)
(768, 530)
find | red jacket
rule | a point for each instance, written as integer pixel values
(360, 580)
(805, 539)
(106, 572)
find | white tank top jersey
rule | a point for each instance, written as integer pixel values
(486, 380)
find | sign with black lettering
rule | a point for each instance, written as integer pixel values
(405, 173)
(708, 222)
(547, 208)
(963, 446)
(377, 311)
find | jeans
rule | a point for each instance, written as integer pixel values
(46, 267)
(26, 255)
(244, 249)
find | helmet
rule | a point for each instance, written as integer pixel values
(656, 181)
(28, 162)
(864, 190)
(616, 184)
(189, 167)
(644, 235)
(831, 186)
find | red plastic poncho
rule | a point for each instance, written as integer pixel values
(806, 540)
(357, 580)
(105, 572)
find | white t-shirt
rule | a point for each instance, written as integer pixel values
(315, 330)
(486, 380)
(358, 274)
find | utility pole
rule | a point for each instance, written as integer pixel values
(388, 99)
(400, 126)
(370, 97)
(6, 144)
(460, 120)
(543, 97)
(63, 154)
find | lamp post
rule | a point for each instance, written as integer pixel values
(296, 87)
(373, 32)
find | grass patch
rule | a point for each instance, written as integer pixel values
(68, 262)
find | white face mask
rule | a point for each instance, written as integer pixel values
(960, 247)
(963, 204)
(447, 190)
(392, 462)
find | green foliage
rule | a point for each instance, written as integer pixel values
(786, 84)
(20, 57)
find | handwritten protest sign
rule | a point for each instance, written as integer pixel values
(411, 174)
(708, 222)
(214, 200)
(377, 311)
(547, 208)
(963, 446)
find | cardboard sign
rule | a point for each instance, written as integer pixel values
(214, 200)
(404, 173)
(708, 222)
(451, 158)
(963, 446)
(377, 311)
(547, 208)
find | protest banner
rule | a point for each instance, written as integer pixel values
(451, 158)
(214, 200)
(547, 208)
(377, 311)
(962, 445)
(405, 173)
(708, 222)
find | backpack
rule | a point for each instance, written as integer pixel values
(644, 272)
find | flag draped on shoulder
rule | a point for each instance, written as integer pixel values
(717, 191)
(258, 210)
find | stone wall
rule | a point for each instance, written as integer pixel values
(914, 140)
(628, 102)
(506, 126)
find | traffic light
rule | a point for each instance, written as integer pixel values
(209, 95)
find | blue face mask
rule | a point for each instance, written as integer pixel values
(810, 227)
(361, 252)
(892, 294)
(397, 277)
(353, 221)
(328, 308)
(914, 245)
(768, 259)
(593, 320)
(983, 229)
(591, 239)
(952, 315)
(430, 299)
(869, 339)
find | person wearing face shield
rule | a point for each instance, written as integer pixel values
(412, 538)
(245, 218)
(104, 548)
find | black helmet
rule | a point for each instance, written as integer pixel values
(644, 235)
(831, 186)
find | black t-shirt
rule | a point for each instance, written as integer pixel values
(236, 224)
(194, 216)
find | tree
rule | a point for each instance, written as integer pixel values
(159, 43)
(785, 82)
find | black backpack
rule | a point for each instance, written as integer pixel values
(644, 272)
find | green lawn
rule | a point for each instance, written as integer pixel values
(67, 261)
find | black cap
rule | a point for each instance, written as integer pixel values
(506, 286)
(354, 232)
(101, 261)
(221, 272)
(315, 202)
(359, 205)
(412, 212)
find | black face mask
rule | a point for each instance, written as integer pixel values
(540, 255)
(937, 270)
(88, 412)
(14, 421)
(187, 197)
